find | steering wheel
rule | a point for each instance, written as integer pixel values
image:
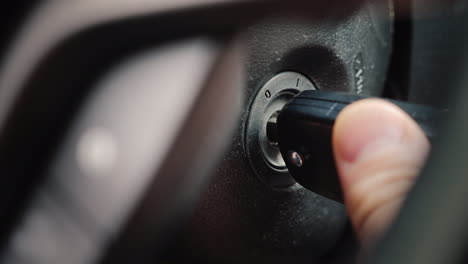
(116, 119)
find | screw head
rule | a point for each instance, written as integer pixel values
(296, 159)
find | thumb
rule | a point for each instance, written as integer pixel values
(379, 151)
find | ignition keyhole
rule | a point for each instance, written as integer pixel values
(271, 129)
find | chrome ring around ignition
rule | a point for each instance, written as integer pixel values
(264, 155)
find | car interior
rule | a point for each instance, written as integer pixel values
(157, 131)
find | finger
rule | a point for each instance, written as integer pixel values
(379, 151)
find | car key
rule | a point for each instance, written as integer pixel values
(304, 134)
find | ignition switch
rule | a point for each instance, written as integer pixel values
(262, 146)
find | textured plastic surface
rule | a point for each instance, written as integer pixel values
(243, 220)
